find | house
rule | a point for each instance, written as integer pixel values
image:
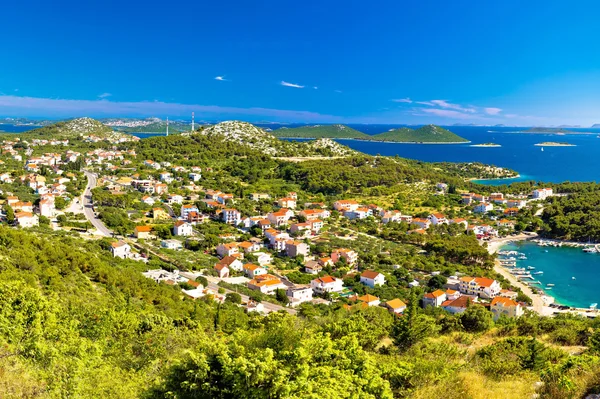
(370, 300)
(452, 294)
(120, 249)
(435, 298)
(148, 200)
(438, 218)
(314, 214)
(172, 244)
(182, 228)
(460, 221)
(422, 223)
(442, 187)
(301, 229)
(259, 196)
(186, 209)
(253, 306)
(395, 306)
(299, 294)
(252, 270)
(349, 255)
(161, 188)
(483, 207)
(159, 213)
(227, 249)
(232, 262)
(266, 283)
(511, 211)
(516, 203)
(371, 278)
(542, 193)
(345, 205)
(312, 267)
(47, 208)
(231, 216)
(296, 248)
(174, 199)
(142, 231)
(26, 219)
(480, 286)
(509, 224)
(458, 305)
(195, 177)
(509, 294)
(263, 258)
(249, 246)
(222, 270)
(325, 284)
(280, 217)
(287, 203)
(325, 261)
(358, 213)
(505, 306)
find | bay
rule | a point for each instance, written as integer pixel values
(560, 265)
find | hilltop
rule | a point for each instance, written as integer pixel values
(245, 133)
(149, 125)
(321, 131)
(74, 128)
(425, 134)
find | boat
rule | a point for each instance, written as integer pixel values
(542, 149)
(540, 272)
(550, 285)
(593, 306)
(573, 278)
(546, 251)
(590, 250)
(522, 257)
(548, 288)
(530, 268)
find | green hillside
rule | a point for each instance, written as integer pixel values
(71, 128)
(321, 131)
(425, 134)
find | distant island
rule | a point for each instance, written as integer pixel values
(553, 130)
(554, 144)
(486, 145)
(429, 134)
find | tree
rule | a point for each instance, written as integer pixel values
(437, 282)
(60, 203)
(594, 341)
(281, 296)
(476, 319)
(202, 280)
(413, 327)
(44, 221)
(533, 359)
(162, 231)
(10, 214)
(233, 297)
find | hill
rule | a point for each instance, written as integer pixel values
(72, 128)
(425, 134)
(149, 125)
(244, 133)
(321, 131)
(547, 130)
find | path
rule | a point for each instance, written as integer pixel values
(88, 208)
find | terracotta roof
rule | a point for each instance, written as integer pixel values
(503, 301)
(435, 294)
(326, 279)
(460, 302)
(395, 304)
(370, 274)
(143, 229)
(368, 298)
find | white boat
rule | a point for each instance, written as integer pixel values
(542, 149)
(548, 288)
(549, 285)
(540, 272)
(530, 268)
(590, 250)
(593, 306)
(522, 257)
(573, 278)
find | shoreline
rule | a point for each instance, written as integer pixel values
(540, 302)
(375, 141)
(494, 178)
(486, 145)
(550, 144)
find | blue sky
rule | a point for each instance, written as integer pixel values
(514, 62)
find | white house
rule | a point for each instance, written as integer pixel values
(253, 271)
(542, 193)
(438, 218)
(187, 209)
(481, 286)
(395, 306)
(232, 263)
(231, 216)
(120, 249)
(263, 258)
(266, 283)
(435, 298)
(371, 278)
(326, 284)
(171, 244)
(483, 207)
(299, 294)
(27, 219)
(182, 228)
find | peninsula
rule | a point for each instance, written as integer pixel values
(429, 134)
(486, 145)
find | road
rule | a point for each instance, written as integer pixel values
(88, 208)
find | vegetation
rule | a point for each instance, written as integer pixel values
(425, 134)
(321, 131)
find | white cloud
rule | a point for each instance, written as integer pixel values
(287, 84)
(492, 110)
(446, 104)
(104, 95)
(447, 113)
(315, 87)
(338, 91)
(221, 78)
(402, 100)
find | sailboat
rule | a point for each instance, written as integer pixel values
(542, 149)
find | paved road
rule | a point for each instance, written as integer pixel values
(88, 207)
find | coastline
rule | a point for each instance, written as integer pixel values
(495, 178)
(540, 303)
(485, 145)
(550, 144)
(375, 141)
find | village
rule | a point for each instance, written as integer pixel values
(275, 256)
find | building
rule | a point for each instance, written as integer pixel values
(259, 196)
(516, 203)
(232, 262)
(358, 213)
(253, 271)
(435, 298)
(142, 232)
(222, 270)
(371, 278)
(159, 213)
(314, 214)
(266, 283)
(299, 294)
(505, 306)
(438, 218)
(345, 205)
(280, 217)
(422, 223)
(227, 249)
(287, 203)
(172, 244)
(182, 228)
(26, 219)
(542, 193)
(47, 208)
(249, 246)
(312, 267)
(480, 286)
(296, 248)
(186, 209)
(395, 306)
(263, 258)
(369, 300)
(325, 284)
(483, 207)
(458, 305)
(231, 216)
(348, 254)
(120, 249)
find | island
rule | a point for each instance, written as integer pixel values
(486, 145)
(429, 134)
(554, 144)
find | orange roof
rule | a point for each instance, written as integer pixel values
(370, 274)
(143, 229)
(435, 294)
(368, 298)
(484, 282)
(439, 215)
(246, 244)
(503, 301)
(326, 279)
(395, 304)
(251, 267)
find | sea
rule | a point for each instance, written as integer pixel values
(573, 272)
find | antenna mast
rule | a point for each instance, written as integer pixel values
(192, 121)
(167, 125)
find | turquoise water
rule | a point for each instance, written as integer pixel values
(559, 266)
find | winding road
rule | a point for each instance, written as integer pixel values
(88, 207)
